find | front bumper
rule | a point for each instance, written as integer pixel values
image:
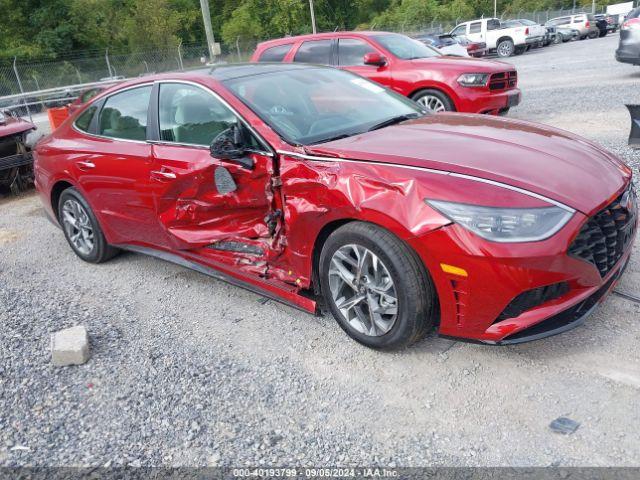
(481, 100)
(471, 305)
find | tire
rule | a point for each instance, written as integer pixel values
(439, 101)
(593, 35)
(505, 48)
(87, 241)
(558, 39)
(411, 286)
(603, 34)
(519, 50)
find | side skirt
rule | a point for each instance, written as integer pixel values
(268, 290)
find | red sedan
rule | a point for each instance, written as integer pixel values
(321, 189)
(422, 73)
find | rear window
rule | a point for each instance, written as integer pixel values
(275, 54)
(84, 120)
(314, 51)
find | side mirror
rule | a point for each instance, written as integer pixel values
(230, 144)
(374, 58)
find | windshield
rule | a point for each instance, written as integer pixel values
(404, 47)
(314, 105)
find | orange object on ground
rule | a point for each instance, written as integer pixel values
(57, 116)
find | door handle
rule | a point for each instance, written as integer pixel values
(84, 166)
(162, 175)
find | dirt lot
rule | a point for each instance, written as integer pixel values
(190, 371)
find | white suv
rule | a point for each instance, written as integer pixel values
(583, 23)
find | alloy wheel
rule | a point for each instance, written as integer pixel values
(431, 103)
(77, 225)
(363, 290)
(505, 49)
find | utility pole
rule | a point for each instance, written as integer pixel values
(313, 16)
(495, 8)
(206, 17)
(593, 6)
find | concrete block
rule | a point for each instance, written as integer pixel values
(70, 346)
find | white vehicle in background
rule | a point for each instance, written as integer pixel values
(505, 41)
(535, 30)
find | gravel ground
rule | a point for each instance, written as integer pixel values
(191, 371)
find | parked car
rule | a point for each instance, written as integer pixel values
(584, 23)
(602, 24)
(535, 30)
(447, 44)
(568, 34)
(505, 41)
(612, 23)
(629, 44)
(406, 66)
(474, 49)
(16, 170)
(314, 186)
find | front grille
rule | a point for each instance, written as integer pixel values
(605, 237)
(532, 298)
(503, 80)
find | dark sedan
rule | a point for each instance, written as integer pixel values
(629, 46)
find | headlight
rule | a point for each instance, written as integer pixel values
(473, 79)
(505, 224)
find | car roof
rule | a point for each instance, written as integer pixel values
(319, 36)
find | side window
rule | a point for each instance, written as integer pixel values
(189, 114)
(316, 51)
(493, 24)
(351, 51)
(124, 115)
(475, 27)
(84, 120)
(459, 30)
(563, 21)
(275, 54)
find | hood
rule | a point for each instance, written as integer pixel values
(13, 126)
(472, 65)
(540, 159)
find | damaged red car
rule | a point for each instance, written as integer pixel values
(321, 189)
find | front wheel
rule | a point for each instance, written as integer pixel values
(81, 228)
(375, 286)
(433, 100)
(505, 48)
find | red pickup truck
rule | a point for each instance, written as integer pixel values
(438, 82)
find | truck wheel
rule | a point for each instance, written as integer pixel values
(505, 48)
(81, 228)
(376, 287)
(433, 100)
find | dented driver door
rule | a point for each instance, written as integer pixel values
(202, 201)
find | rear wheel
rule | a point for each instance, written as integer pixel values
(81, 228)
(557, 39)
(505, 48)
(375, 286)
(593, 34)
(519, 50)
(433, 100)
